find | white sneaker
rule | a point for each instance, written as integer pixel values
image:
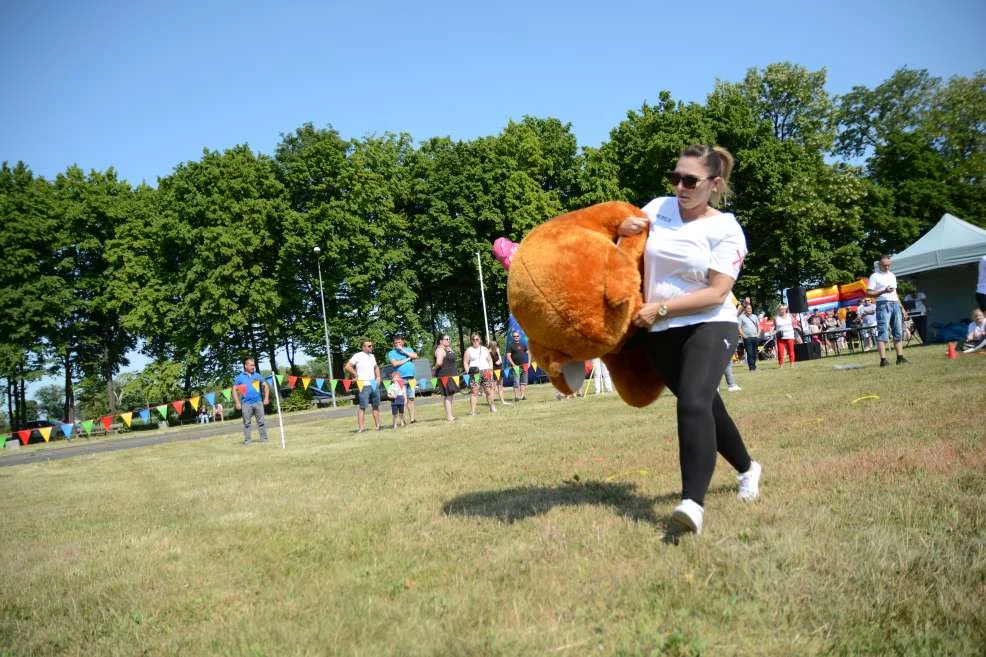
(688, 516)
(734, 388)
(749, 483)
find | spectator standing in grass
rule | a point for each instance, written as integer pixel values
(479, 367)
(517, 356)
(445, 368)
(363, 366)
(402, 358)
(784, 336)
(247, 398)
(749, 331)
(890, 315)
(692, 258)
(497, 360)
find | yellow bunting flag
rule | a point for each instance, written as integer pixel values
(256, 385)
(305, 380)
(534, 364)
(127, 417)
(359, 384)
(413, 384)
(45, 433)
(498, 374)
(456, 379)
(194, 401)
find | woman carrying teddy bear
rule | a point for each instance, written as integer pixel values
(692, 259)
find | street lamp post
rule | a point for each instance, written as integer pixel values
(325, 322)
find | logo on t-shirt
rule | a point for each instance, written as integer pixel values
(665, 218)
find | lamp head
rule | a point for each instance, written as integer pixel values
(317, 250)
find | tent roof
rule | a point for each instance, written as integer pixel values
(951, 242)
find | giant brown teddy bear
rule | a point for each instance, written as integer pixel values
(574, 287)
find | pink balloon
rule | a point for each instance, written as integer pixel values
(503, 250)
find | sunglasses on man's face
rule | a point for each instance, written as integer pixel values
(687, 180)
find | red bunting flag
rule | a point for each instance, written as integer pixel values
(526, 366)
(346, 383)
(242, 389)
(487, 374)
(106, 421)
(588, 367)
(24, 435)
(292, 381)
(178, 405)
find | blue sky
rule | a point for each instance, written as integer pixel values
(143, 86)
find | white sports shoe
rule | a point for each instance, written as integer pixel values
(688, 516)
(749, 483)
(734, 388)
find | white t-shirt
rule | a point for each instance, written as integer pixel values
(365, 365)
(918, 299)
(976, 331)
(679, 255)
(478, 357)
(882, 279)
(783, 327)
(981, 286)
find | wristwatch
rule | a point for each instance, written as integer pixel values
(662, 310)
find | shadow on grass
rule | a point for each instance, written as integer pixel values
(512, 504)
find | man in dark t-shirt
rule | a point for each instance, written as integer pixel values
(517, 356)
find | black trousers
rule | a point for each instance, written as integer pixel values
(691, 359)
(750, 348)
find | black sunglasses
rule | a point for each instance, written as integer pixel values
(687, 180)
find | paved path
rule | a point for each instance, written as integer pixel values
(81, 447)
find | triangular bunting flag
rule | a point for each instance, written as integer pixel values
(292, 382)
(194, 401)
(106, 421)
(487, 374)
(517, 370)
(498, 374)
(228, 394)
(127, 417)
(456, 379)
(67, 430)
(305, 380)
(346, 383)
(373, 384)
(163, 410)
(145, 415)
(465, 379)
(359, 384)
(45, 433)
(444, 381)
(280, 379)
(256, 385)
(87, 426)
(24, 435)
(242, 389)
(413, 384)
(434, 382)
(178, 405)
(332, 384)
(527, 366)
(211, 398)
(319, 383)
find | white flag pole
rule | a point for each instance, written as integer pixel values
(277, 400)
(482, 292)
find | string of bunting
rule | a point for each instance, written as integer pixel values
(69, 430)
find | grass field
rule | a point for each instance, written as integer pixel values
(535, 531)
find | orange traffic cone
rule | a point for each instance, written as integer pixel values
(951, 350)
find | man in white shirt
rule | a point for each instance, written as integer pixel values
(363, 366)
(867, 319)
(889, 313)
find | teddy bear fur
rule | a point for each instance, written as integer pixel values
(574, 287)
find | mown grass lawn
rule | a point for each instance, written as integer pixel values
(535, 531)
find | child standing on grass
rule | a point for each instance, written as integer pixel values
(397, 396)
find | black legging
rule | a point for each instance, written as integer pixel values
(692, 359)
